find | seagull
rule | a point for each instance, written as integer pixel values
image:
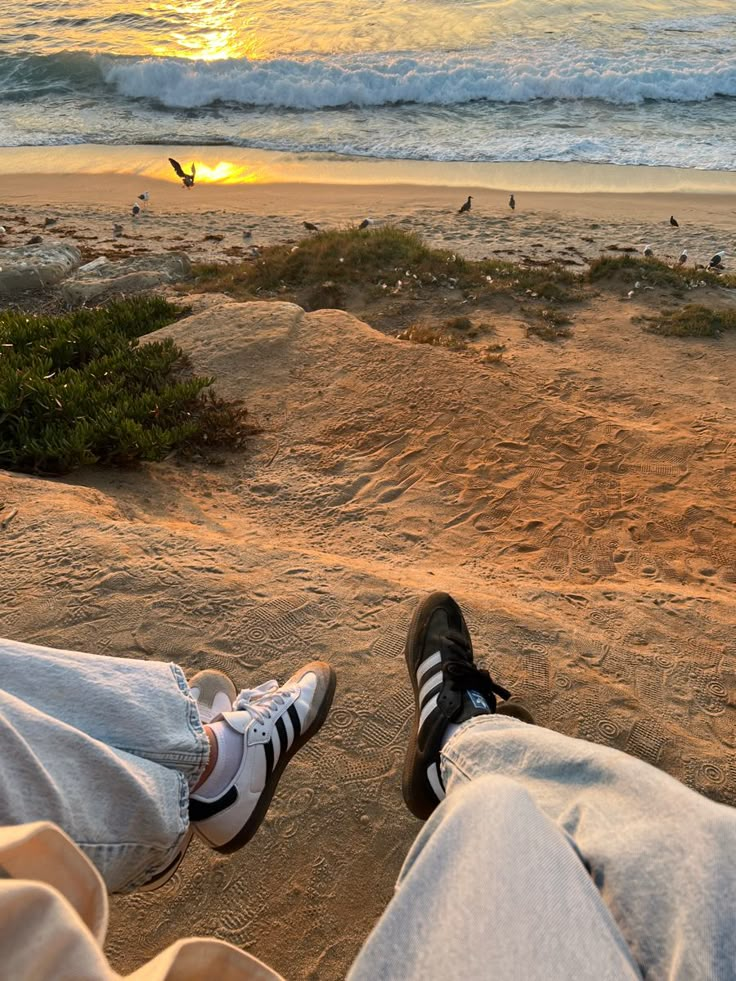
(512, 203)
(117, 230)
(683, 258)
(48, 222)
(717, 260)
(365, 223)
(310, 227)
(465, 207)
(144, 197)
(674, 222)
(136, 209)
(648, 250)
(186, 179)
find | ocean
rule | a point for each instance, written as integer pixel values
(597, 81)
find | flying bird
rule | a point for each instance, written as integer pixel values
(717, 261)
(512, 203)
(674, 222)
(648, 250)
(365, 223)
(310, 227)
(465, 207)
(144, 197)
(136, 209)
(683, 258)
(186, 179)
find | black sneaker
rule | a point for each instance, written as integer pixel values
(448, 687)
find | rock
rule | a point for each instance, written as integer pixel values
(34, 267)
(35, 240)
(104, 277)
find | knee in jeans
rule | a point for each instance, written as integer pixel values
(493, 797)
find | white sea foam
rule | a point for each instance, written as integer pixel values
(516, 75)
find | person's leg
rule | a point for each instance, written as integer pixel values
(144, 708)
(107, 748)
(490, 889)
(662, 856)
(113, 751)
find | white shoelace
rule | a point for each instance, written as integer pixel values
(259, 702)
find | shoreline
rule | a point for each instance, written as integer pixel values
(87, 190)
(226, 166)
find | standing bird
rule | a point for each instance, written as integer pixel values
(144, 197)
(648, 250)
(683, 258)
(186, 179)
(512, 203)
(136, 209)
(310, 227)
(674, 222)
(717, 261)
(465, 207)
(365, 223)
(48, 222)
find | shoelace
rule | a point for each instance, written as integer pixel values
(259, 702)
(463, 674)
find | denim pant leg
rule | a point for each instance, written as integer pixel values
(492, 890)
(662, 856)
(107, 748)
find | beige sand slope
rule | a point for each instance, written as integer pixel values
(578, 500)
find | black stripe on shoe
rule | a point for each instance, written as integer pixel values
(283, 738)
(294, 716)
(200, 810)
(269, 758)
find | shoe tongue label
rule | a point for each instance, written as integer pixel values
(478, 701)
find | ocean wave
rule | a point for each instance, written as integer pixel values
(550, 72)
(523, 73)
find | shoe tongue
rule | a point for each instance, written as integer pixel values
(473, 704)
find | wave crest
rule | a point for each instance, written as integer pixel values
(563, 74)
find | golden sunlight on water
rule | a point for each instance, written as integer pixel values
(215, 30)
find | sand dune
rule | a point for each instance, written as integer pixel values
(577, 499)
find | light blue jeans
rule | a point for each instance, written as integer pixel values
(554, 858)
(551, 858)
(105, 747)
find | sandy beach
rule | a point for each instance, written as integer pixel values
(89, 189)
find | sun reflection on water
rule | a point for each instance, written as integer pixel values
(215, 30)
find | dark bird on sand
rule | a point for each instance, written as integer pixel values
(186, 179)
(674, 222)
(717, 261)
(648, 250)
(465, 207)
(310, 227)
(117, 229)
(683, 258)
(48, 222)
(136, 209)
(512, 203)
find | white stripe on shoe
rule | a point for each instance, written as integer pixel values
(432, 661)
(432, 682)
(435, 780)
(426, 711)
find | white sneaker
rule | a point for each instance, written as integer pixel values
(274, 722)
(213, 692)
